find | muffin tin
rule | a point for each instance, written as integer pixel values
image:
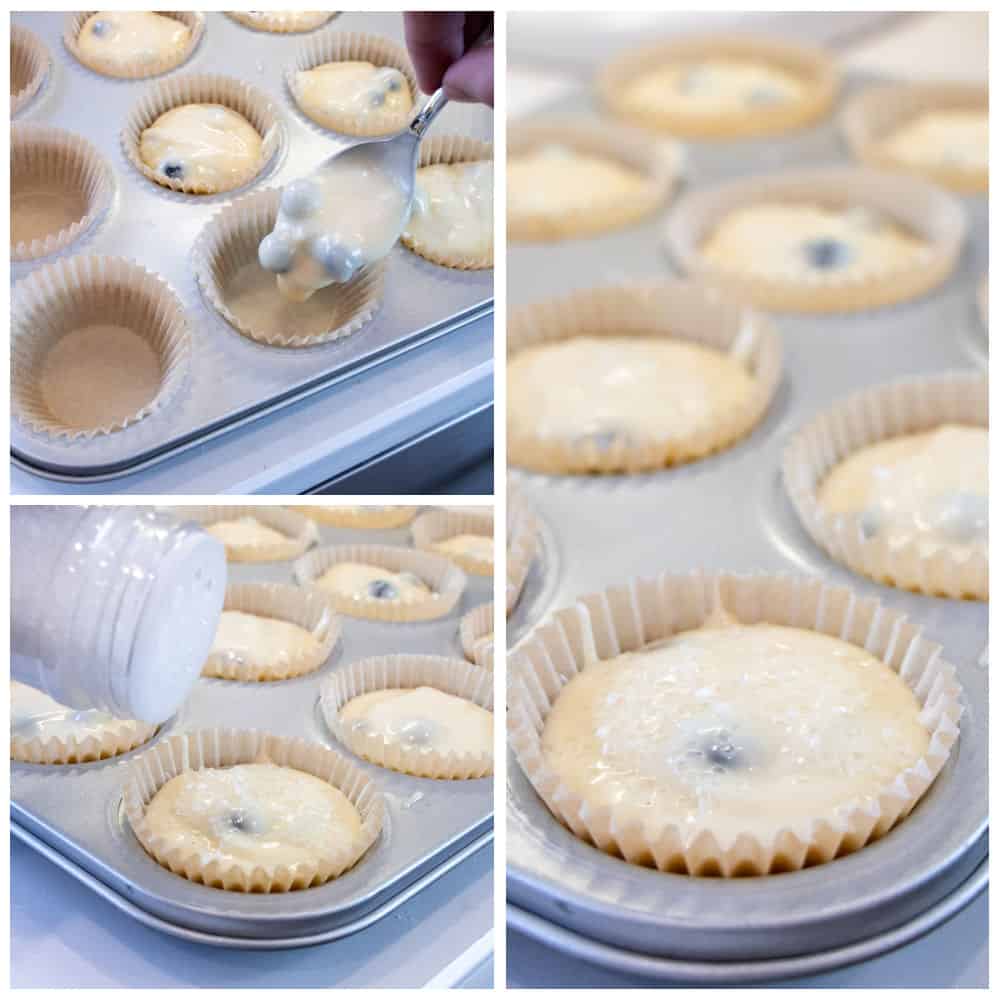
(73, 814)
(233, 380)
(729, 512)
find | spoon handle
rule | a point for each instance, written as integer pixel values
(430, 111)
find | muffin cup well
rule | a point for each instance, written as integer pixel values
(437, 525)
(522, 545)
(641, 612)
(910, 406)
(282, 22)
(408, 671)
(472, 630)
(116, 737)
(29, 63)
(373, 518)
(299, 532)
(219, 748)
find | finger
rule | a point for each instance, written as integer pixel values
(435, 42)
(471, 78)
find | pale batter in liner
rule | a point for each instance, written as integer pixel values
(193, 855)
(522, 545)
(271, 632)
(254, 534)
(711, 335)
(708, 839)
(282, 22)
(44, 732)
(907, 407)
(475, 631)
(456, 535)
(373, 518)
(459, 754)
(29, 64)
(426, 586)
(628, 85)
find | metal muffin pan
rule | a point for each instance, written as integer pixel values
(729, 512)
(232, 379)
(73, 814)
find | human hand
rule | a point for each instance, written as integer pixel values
(447, 53)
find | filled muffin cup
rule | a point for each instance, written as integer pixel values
(280, 22)
(372, 518)
(918, 207)
(112, 739)
(435, 526)
(29, 63)
(473, 630)
(220, 748)
(522, 545)
(139, 69)
(299, 533)
(874, 114)
(59, 187)
(203, 88)
(908, 406)
(247, 297)
(381, 673)
(815, 68)
(97, 344)
(645, 611)
(282, 602)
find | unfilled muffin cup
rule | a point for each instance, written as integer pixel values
(473, 630)
(382, 673)
(658, 161)
(247, 297)
(203, 88)
(29, 62)
(299, 533)
(676, 310)
(919, 207)
(446, 581)
(308, 609)
(59, 187)
(810, 64)
(642, 612)
(909, 406)
(522, 545)
(446, 149)
(282, 22)
(439, 525)
(97, 344)
(372, 518)
(137, 70)
(874, 114)
(220, 748)
(114, 738)
(352, 46)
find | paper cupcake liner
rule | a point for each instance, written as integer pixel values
(437, 525)
(70, 295)
(678, 310)
(360, 517)
(202, 88)
(812, 65)
(138, 70)
(522, 545)
(351, 46)
(629, 617)
(451, 149)
(408, 671)
(445, 579)
(930, 213)
(117, 737)
(909, 406)
(305, 608)
(874, 114)
(659, 161)
(49, 161)
(227, 247)
(29, 62)
(299, 532)
(214, 748)
(282, 22)
(472, 630)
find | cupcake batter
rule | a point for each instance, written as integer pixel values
(36, 716)
(281, 21)
(244, 532)
(362, 582)
(268, 643)
(951, 138)
(355, 97)
(115, 41)
(478, 547)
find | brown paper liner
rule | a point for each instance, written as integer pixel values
(811, 65)
(352, 46)
(522, 545)
(909, 406)
(117, 737)
(472, 630)
(928, 212)
(641, 612)
(373, 518)
(437, 525)
(201, 88)
(282, 22)
(447, 581)
(305, 608)
(29, 62)
(299, 533)
(136, 71)
(659, 162)
(451, 149)
(873, 115)
(408, 671)
(213, 748)
(59, 167)
(677, 310)
(68, 295)
(225, 262)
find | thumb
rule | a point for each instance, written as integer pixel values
(471, 78)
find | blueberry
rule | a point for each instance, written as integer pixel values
(244, 821)
(721, 751)
(827, 254)
(99, 28)
(870, 523)
(603, 440)
(395, 83)
(275, 254)
(172, 169)
(340, 264)
(300, 199)
(376, 99)
(382, 590)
